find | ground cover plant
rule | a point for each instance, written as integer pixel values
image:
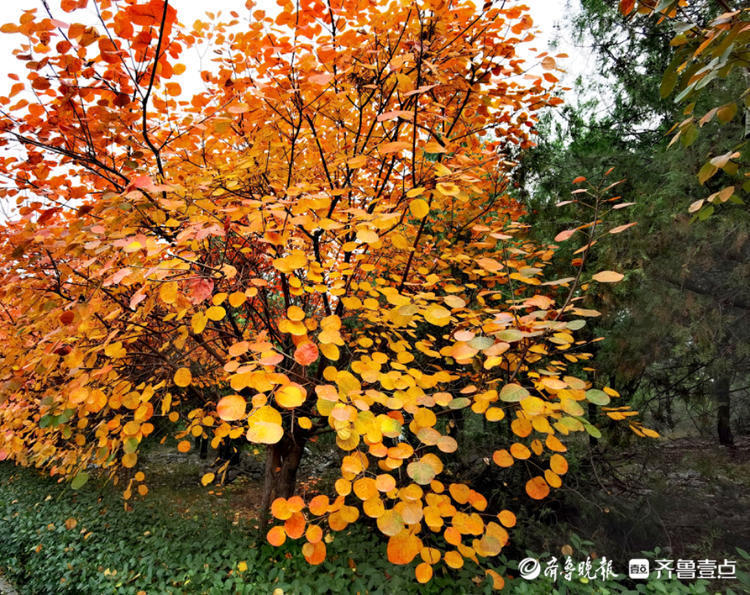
(58, 542)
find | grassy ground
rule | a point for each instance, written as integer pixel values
(687, 497)
(178, 540)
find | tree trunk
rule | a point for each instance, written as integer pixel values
(722, 396)
(280, 479)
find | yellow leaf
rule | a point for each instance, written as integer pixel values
(183, 377)
(216, 313)
(264, 426)
(295, 313)
(448, 188)
(291, 395)
(419, 208)
(115, 350)
(367, 236)
(198, 322)
(168, 293)
(390, 523)
(437, 315)
(133, 246)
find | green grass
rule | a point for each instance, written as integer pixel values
(163, 546)
(158, 548)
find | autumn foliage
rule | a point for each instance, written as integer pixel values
(320, 240)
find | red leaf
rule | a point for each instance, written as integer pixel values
(143, 182)
(627, 6)
(199, 290)
(306, 353)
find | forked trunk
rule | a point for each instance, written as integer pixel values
(280, 479)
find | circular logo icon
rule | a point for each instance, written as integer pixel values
(529, 568)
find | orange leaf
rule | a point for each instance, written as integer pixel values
(558, 464)
(564, 235)
(626, 6)
(537, 488)
(453, 559)
(276, 536)
(231, 408)
(460, 492)
(502, 458)
(403, 547)
(497, 581)
(314, 533)
(183, 377)
(394, 147)
(507, 518)
(319, 505)
(314, 553)
(320, 79)
(295, 525)
(385, 482)
(423, 572)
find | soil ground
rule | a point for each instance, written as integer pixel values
(689, 497)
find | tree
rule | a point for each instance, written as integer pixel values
(707, 55)
(319, 242)
(675, 330)
(708, 72)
